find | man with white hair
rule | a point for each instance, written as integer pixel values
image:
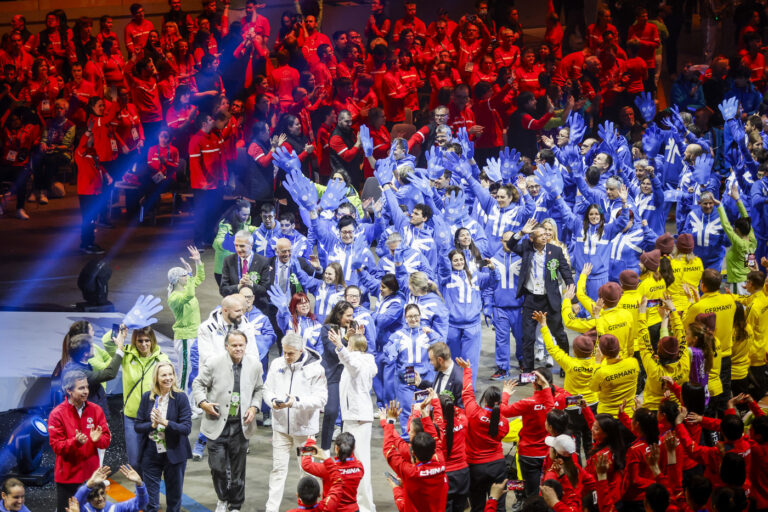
(246, 268)
(296, 391)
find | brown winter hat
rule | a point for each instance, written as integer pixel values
(668, 348)
(685, 243)
(609, 345)
(708, 320)
(665, 243)
(583, 345)
(651, 260)
(629, 279)
(610, 292)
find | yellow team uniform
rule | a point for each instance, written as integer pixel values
(653, 289)
(757, 319)
(686, 272)
(578, 371)
(724, 307)
(615, 382)
(679, 371)
(740, 355)
(612, 321)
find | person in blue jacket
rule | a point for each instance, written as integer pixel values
(327, 292)
(462, 241)
(628, 245)
(507, 211)
(409, 349)
(462, 294)
(362, 316)
(267, 233)
(591, 239)
(12, 496)
(297, 316)
(687, 92)
(288, 230)
(507, 307)
(703, 222)
(417, 230)
(649, 199)
(345, 249)
(401, 260)
(92, 495)
(759, 215)
(425, 294)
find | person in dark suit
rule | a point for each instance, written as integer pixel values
(165, 419)
(541, 265)
(246, 267)
(448, 376)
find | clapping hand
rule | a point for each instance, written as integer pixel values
(80, 437)
(95, 433)
(335, 338)
(645, 104)
(366, 140)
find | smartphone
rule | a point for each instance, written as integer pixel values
(573, 400)
(392, 477)
(303, 450)
(410, 375)
(115, 330)
(216, 408)
(420, 395)
(515, 485)
(525, 378)
(653, 303)
(278, 402)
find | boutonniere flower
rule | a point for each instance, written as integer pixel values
(552, 266)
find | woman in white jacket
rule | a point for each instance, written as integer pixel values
(356, 406)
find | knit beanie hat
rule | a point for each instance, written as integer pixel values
(610, 292)
(609, 345)
(668, 348)
(629, 279)
(685, 243)
(665, 243)
(651, 260)
(583, 345)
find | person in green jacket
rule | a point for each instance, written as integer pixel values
(139, 360)
(740, 258)
(186, 313)
(237, 217)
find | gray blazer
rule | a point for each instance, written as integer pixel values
(215, 382)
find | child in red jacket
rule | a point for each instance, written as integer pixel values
(350, 469)
(308, 490)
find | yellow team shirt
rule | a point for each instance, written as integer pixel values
(686, 272)
(724, 307)
(679, 371)
(615, 382)
(757, 319)
(653, 289)
(740, 355)
(611, 321)
(578, 371)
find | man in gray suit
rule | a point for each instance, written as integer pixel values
(228, 389)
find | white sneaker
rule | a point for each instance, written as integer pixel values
(21, 214)
(32, 197)
(43, 198)
(221, 506)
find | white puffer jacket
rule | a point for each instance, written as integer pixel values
(211, 334)
(305, 381)
(355, 384)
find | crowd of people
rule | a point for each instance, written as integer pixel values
(397, 186)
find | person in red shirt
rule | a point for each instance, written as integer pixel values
(19, 138)
(283, 79)
(452, 424)
(409, 21)
(527, 75)
(758, 441)
(635, 73)
(162, 167)
(606, 459)
(42, 89)
(252, 19)
(637, 473)
(394, 92)
(349, 467)
(531, 447)
(19, 24)
(261, 151)
(308, 490)
(488, 106)
(345, 148)
(206, 176)
(424, 483)
(596, 29)
(146, 95)
(105, 31)
(470, 45)
(753, 59)
(137, 30)
(440, 40)
(310, 38)
(127, 126)
(77, 429)
(17, 56)
(327, 116)
(56, 39)
(78, 91)
(378, 25)
(443, 78)
(647, 36)
(486, 429)
(506, 54)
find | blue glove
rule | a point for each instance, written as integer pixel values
(357, 263)
(228, 244)
(647, 107)
(456, 164)
(734, 159)
(422, 184)
(702, 168)
(397, 256)
(142, 312)
(511, 164)
(435, 167)
(454, 207)
(383, 171)
(278, 297)
(607, 132)
(488, 313)
(577, 128)
(675, 120)
(572, 158)
(301, 189)
(493, 169)
(467, 147)
(366, 140)
(549, 179)
(729, 108)
(285, 160)
(334, 194)
(652, 139)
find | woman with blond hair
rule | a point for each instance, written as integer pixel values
(164, 420)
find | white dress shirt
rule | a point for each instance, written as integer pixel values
(535, 281)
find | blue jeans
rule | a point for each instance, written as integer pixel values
(132, 443)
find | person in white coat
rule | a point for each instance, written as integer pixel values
(356, 406)
(296, 391)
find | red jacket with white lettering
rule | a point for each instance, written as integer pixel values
(481, 447)
(205, 161)
(75, 462)
(458, 456)
(425, 484)
(351, 471)
(534, 412)
(331, 502)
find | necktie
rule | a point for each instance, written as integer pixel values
(439, 381)
(244, 267)
(283, 277)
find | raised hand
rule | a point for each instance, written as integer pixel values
(549, 179)
(286, 160)
(454, 206)
(384, 171)
(607, 132)
(528, 226)
(652, 139)
(577, 128)
(421, 183)
(511, 163)
(463, 363)
(457, 164)
(306, 193)
(95, 433)
(73, 505)
(142, 312)
(675, 120)
(702, 168)
(333, 195)
(435, 167)
(647, 107)
(729, 108)
(131, 474)
(493, 169)
(467, 146)
(98, 476)
(194, 254)
(586, 269)
(278, 297)
(540, 317)
(570, 292)
(366, 140)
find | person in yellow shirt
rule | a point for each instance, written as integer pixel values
(578, 375)
(607, 317)
(742, 341)
(616, 380)
(673, 359)
(723, 306)
(754, 286)
(652, 287)
(757, 320)
(687, 269)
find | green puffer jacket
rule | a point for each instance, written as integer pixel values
(137, 373)
(219, 253)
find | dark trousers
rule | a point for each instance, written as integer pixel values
(89, 211)
(207, 209)
(530, 467)
(725, 376)
(458, 490)
(581, 431)
(156, 466)
(554, 322)
(226, 458)
(758, 377)
(63, 493)
(19, 175)
(330, 414)
(47, 168)
(481, 476)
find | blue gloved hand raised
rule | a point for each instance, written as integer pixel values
(301, 189)
(278, 297)
(287, 161)
(511, 163)
(549, 179)
(384, 171)
(729, 108)
(647, 107)
(142, 312)
(576, 128)
(702, 168)
(435, 167)
(467, 146)
(334, 194)
(366, 140)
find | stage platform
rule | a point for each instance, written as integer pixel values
(32, 346)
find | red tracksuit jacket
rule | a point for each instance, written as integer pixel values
(351, 472)
(331, 502)
(75, 462)
(480, 446)
(534, 412)
(458, 457)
